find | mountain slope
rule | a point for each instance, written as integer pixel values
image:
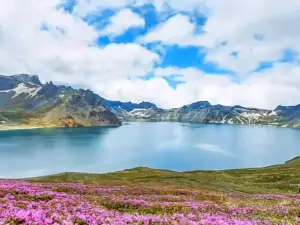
(25, 100)
(294, 161)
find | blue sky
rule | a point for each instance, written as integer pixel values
(169, 52)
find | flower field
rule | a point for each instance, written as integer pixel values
(65, 203)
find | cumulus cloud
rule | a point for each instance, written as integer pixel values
(178, 30)
(264, 89)
(122, 21)
(237, 25)
(275, 21)
(40, 38)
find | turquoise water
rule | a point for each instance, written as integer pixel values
(172, 146)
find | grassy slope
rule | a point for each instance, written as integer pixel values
(274, 179)
(294, 161)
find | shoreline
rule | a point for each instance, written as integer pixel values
(8, 128)
(24, 127)
(20, 127)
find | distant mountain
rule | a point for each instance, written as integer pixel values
(25, 100)
(204, 112)
(128, 110)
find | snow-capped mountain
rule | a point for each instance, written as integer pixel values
(204, 112)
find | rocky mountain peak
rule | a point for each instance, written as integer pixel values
(147, 105)
(280, 108)
(48, 90)
(11, 82)
(27, 78)
(198, 105)
(86, 97)
(128, 106)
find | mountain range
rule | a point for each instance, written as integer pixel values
(25, 101)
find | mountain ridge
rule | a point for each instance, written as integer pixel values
(205, 112)
(25, 100)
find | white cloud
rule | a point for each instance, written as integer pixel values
(84, 7)
(236, 23)
(122, 21)
(179, 5)
(65, 52)
(176, 30)
(265, 89)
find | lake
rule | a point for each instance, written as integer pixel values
(175, 146)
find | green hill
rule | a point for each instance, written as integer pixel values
(294, 161)
(275, 179)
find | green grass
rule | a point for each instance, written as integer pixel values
(274, 179)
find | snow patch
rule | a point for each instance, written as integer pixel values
(224, 119)
(139, 113)
(138, 110)
(242, 122)
(251, 115)
(230, 121)
(273, 113)
(34, 93)
(22, 88)
(6, 91)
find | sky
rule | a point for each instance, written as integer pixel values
(169, 52)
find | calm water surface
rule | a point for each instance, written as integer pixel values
(172, 146)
